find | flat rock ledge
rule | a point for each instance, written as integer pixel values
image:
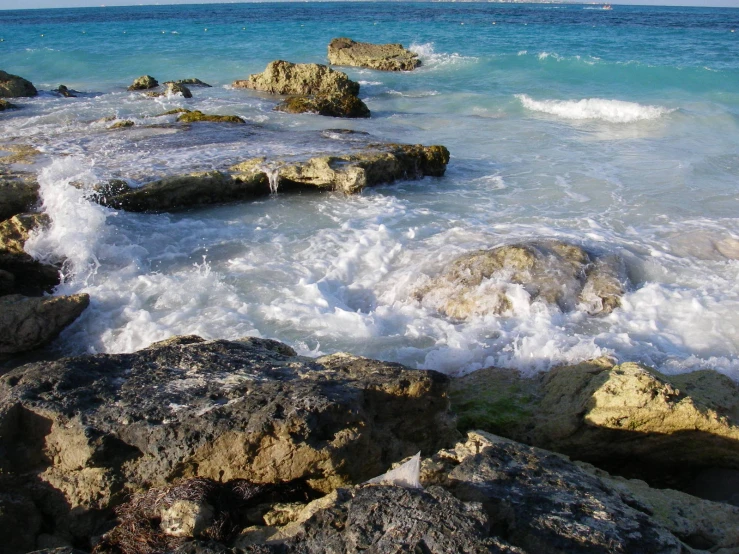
(79, 434)
(627, 418)
(378, 164)
(313, 88)
(491, 282)
(385, 57)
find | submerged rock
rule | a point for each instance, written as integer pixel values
(28, 323)
(386, 57)
(626, 418)
(122, 124)
(5, 105)
(489, 281)
(88, 429)
(65, 92)
(192, 82)
(192, 116)
(345, 105)
(144, 82)
(281, 77)
(12, 86)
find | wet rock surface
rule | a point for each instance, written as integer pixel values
(627, 418)
(345, 105)
(13, 86)
(385, 57)
(144, 82)
(5, 105)
(18, 193)
(491, 281)
(281, 77)
(171, 88)
(192, 116)
(83, 431)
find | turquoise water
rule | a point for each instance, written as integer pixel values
(617, 130)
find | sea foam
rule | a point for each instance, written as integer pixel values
(612, 111)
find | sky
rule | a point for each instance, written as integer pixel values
(24, 4)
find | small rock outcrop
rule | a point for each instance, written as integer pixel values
(345, 105)
(85, 431)
(27, 323)
(12, 86)
(5, 105)
(20, 273)
(172, 88)
(122, 124)
(65, 92)
(628, 419)
(190, 82)
(385, 57)
(144, 82)
(303, 79)
(18, 193)
(193, 116)
(484, 282)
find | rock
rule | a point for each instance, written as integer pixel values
(386, 57)
(20, 154)
(12, 86)
(488, 282)
(379, 164)
(304, 79)
(28, 323)
(171, 88)
(65, 92)
(14, 232)
(345, 105)
(627, 419)
(195, 115)
(122, 124)
(174, 111)
(177, 193)
(144, 82)
(18, 193)
(189, 82)
(5, 105)
(93, 428)
(20, 520)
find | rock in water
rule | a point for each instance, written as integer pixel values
(345, 105)
(281, 77)
(386, 57)
(626, 418)
(192, 116)
(65, 92)
(18, 193)
(172, 88)
(487, 281)
(28, 323)
(5, 105)
(20, 272)
(193, 82)
(144, 82)
(12, 86)
(89, 429)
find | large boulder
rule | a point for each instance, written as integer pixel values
(627, 418)
(488, 282)
(281, 77)
(12, 86)
(29, 323)
(18, 193)
(144, 82)
(87, 430)
(344, 105)
(386, 57)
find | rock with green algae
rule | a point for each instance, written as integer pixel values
(191, 81)
(122, 124)
(303, 79)
(13, 86)
(18, 192)
(5, 105)
(171, 88)
(345, 105)
(566, 275)
(144, 82)
(385, 57)
(196, 115)
(626, 418)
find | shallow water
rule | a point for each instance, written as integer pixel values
(616, 130)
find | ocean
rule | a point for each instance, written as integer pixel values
(617, 130)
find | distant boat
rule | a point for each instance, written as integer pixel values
(607, 7)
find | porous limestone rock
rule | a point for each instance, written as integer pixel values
(627, 418)
(14, 232)
(386, 57)
(89, 429)
(12, 86)
(144, 82)
(488, 282)
(281, 77)
(27, 323)
(191, 116)
(335, 105)
(20, 272)
(18, 193)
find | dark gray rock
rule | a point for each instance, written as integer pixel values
(12, 86)
(18, 193)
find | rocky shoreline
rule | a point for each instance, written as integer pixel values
(214, 446)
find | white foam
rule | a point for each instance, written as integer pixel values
(612, 111)
(430, 59)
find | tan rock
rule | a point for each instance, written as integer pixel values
(195, 115)
(281, 77)
(14, 232)
(386, 57)
(143, 83)
(186, 518)
(346, 105)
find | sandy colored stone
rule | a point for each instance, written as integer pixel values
(144, 82)
(172, 88)
(12, 86)
(281, 77)
(122, 124)
(346, 105)
(14, 232)
(18, 192)
(385, 57)
(195, 115)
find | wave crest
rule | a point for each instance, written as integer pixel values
(432, 59)
(612, 111)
